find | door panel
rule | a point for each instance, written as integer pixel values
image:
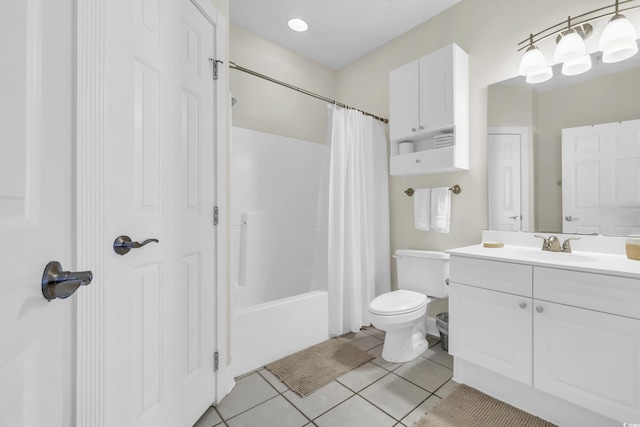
(573, 365)
(35, 207)
(601, 178)
(505, 211)
(160, 183)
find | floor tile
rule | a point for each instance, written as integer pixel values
(424, 407)
(321, 400)
(446, 389)
(276, 412)
(248, 392)
(363, 376)
(377, 353)
(273, 380)
(395, 395)
(425, 373)
(362, 340)
(355, 412)
(438, 355)
(208, 419)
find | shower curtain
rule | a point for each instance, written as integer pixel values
(358, 218)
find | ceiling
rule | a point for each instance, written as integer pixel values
(340, 31)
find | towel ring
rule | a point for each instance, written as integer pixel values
(456, 189)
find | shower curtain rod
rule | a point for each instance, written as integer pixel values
(234, 66)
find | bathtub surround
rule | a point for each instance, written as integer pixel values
(278, 247)
(358, 218)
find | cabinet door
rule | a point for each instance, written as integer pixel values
(588, 358)
(491, 329)
(403, 102)
(436, 90)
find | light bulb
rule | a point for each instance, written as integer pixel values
(297, 24)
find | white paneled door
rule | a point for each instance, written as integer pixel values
(601, 179)
(503, 162)
(35, 211)
(160, 170)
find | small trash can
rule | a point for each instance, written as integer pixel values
(442, 322)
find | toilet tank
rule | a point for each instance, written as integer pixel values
(423, 271)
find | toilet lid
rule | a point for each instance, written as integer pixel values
(397, 302)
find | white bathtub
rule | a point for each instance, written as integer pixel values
(266, 332)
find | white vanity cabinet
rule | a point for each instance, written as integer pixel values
(570, 334)
(430, 97)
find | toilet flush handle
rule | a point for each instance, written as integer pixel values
(446, 281)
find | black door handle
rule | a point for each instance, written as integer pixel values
(123, 244)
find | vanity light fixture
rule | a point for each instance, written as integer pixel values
(534, 66)
(297, 24)
(617, 42)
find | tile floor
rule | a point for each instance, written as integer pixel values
(376, 394)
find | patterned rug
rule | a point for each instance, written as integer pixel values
(306, 371)
(467, 407)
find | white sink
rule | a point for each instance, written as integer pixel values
(553, 256)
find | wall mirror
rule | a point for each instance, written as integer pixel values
(524, 148)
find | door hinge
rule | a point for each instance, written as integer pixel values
(215, 63)
(216, 361)
(216, 215)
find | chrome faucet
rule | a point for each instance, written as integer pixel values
(552, 244)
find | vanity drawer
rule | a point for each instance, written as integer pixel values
(495, 275)
(609, 294)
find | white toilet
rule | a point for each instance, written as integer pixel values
(402, 314)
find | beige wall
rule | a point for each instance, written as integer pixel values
(488, 30)
(269, 107)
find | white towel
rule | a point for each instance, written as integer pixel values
(422, 209)
(440, 209)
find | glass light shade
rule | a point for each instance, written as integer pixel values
(618, 40)
(297, 24)
(540, 76)
(577, 66)
(621, 52)
(571, 46)
(532, 61)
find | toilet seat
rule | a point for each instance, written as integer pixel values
(398, 302)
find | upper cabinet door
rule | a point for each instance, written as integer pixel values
(436, 90)
(404, 101)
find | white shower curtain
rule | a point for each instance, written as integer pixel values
(358, 217)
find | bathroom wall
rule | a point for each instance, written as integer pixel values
(488, 30)
(269, 107)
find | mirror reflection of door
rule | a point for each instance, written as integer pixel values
(601, 179)
(506, 159)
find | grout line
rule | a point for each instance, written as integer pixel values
(247, 410)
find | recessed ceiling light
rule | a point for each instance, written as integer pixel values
(297, 24)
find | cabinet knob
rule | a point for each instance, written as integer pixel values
(539, 309)
(421, 127)
(413, 129)
(523, 305)
(417, 160)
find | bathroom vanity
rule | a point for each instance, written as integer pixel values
(555, 334)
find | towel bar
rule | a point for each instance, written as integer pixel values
(456, 189)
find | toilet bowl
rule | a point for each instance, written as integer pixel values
(402, 314)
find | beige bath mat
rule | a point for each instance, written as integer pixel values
(467, 407)
(306, 371)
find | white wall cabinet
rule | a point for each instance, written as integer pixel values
(577, 338)
(430, 97)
